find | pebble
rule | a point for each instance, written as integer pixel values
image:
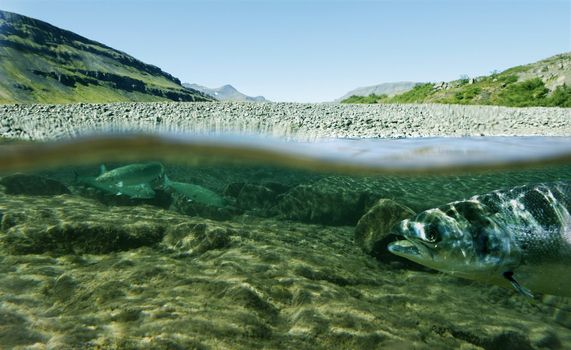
(289, 120)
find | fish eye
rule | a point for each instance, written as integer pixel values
(432, 234)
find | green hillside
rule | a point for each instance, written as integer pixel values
(544, 83)
(40, 63)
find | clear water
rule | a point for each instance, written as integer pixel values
(253, 245)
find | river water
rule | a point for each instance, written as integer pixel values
(180, 241)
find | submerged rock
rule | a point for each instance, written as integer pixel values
(373, 231)
(32, 185)
(186, 206)
(73, 225)
(253, 196)
(259, 199)
(330, 201)
(81, 237)
(197, 238)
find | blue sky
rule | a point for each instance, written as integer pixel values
(316, 50)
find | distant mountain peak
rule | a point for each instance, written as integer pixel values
(226, 93)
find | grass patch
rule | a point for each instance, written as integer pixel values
(372, 98)
(561, 97)
(418, 94)
(527, 93)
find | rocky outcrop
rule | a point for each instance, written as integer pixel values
(32, 185)
(373, 231)
(45, 226)
(330, 201)
(69, 224)
(256, 198)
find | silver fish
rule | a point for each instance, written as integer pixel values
(134, 180)
(132, 174)
(193, 193)
(519, 237)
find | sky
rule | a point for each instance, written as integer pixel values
(316, 50)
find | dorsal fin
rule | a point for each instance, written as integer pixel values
(102, 169)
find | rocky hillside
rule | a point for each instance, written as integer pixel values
(226, 93)
(43, 63)
(388, 89)
(543, 83)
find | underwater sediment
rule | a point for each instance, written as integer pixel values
(81, 268)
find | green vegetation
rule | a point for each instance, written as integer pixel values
(467, 95)
(528, 93)
(522, 86)
(561, 97)
(45, 64)
(418, 94)
(524, 94)
(372, 98)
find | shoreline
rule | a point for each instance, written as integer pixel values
(282, 119)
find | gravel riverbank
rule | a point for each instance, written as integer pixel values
(283, 119)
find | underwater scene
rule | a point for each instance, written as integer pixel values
(139, 243)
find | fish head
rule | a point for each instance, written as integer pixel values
(460, 238)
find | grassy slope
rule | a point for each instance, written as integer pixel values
(33, 54)
(539, 84)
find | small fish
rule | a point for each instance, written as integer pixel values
(193, 193)
(134, 180)
(142, 191)
(132, 174)
(519, 237)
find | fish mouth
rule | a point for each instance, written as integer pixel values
(403, 248)
(409, 249)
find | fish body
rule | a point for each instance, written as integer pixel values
(134, 180)
(519, 237)
(194, 193)
(132, 174)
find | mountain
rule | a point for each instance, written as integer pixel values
(388, 89)
(226, 93)
(45, 64)
(543, 83)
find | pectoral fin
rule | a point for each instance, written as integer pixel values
(509, 275)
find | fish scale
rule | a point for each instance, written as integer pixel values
(519, 237)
